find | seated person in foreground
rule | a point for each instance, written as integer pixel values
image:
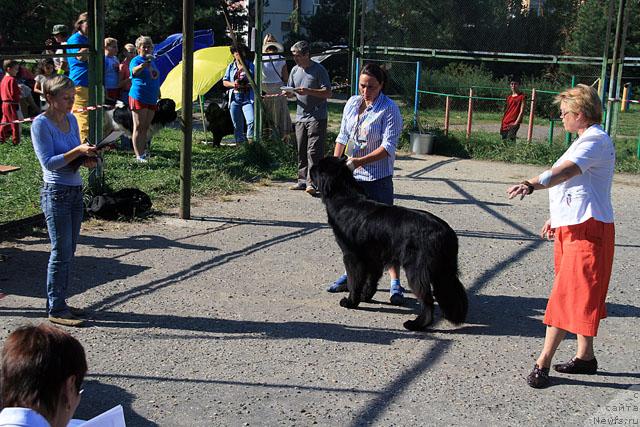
(41, 377)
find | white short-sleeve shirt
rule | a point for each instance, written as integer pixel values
(587, 195)
(272, 69)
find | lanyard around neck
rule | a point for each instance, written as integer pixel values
(361, 118)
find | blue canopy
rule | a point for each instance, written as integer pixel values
(169, 51)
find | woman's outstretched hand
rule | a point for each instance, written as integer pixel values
(518, 189)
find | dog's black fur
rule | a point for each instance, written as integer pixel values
(374, 236)
(120, 118)
(218, 122)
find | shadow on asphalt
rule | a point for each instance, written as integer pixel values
(556, 379)
(445, 200)
(99, 397)
(87, 272)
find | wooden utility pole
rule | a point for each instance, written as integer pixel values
(187, 109)
(258, 121)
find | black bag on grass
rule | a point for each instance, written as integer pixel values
(127, 203)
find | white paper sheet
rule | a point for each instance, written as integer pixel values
(110, 139)
(114, 417)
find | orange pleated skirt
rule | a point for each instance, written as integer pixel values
(583, 255)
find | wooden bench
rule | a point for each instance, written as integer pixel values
(4, 169)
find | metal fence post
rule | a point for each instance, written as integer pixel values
(531, 115)
(447, 107)
(416, 101)
(470, 113)
(625, 97)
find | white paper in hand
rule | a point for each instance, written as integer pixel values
(109, 139)
(114, 417)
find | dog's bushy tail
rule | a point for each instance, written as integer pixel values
(451, 297)
(447, 288)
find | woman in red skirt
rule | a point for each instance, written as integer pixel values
(581, 222)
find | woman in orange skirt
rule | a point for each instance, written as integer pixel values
(581, 222)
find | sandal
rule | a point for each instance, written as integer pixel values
(539, 377)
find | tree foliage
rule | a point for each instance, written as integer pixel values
(586, 34)
(29, 22)
(486, 25)
(330, 24)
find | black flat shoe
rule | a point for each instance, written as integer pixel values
(539, 377)
(578, 366)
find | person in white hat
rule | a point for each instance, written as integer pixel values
(274, 75)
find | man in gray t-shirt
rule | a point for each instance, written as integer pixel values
(312, 88)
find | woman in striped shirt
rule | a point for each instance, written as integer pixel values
(369, 133)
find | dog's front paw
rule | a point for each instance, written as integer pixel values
(414, 325)
(347, 303)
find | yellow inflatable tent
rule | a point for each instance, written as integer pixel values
(209, 65)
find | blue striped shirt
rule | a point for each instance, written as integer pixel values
(379, 125)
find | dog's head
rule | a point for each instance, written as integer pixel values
(166, 112)
(332, 176)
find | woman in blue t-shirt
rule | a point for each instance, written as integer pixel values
(143, 95)
(56, 141)
(79, 72)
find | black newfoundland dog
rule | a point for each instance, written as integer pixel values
(218, 122)
(374, 236)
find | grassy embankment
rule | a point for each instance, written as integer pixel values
(229, 169)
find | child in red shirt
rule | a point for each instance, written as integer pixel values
(10, 95)
(513, 112)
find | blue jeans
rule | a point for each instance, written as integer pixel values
(62, 207)
(241, 112)
(380, 190)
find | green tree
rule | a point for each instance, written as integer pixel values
(586, 35)
(330, 24)
(29, 22)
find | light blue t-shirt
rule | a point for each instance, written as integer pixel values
(50, 144)
(21, 417)
(315, 76)
(78, 70)
(144, 88)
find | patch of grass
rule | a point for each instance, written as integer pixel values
(216, 171)
(219, 171)
(629, 122)
(19, 191)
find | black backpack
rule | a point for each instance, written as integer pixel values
(125, 203)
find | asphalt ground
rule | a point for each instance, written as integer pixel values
(224, 319)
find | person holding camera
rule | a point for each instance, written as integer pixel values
(241, 94)
(143, 95)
